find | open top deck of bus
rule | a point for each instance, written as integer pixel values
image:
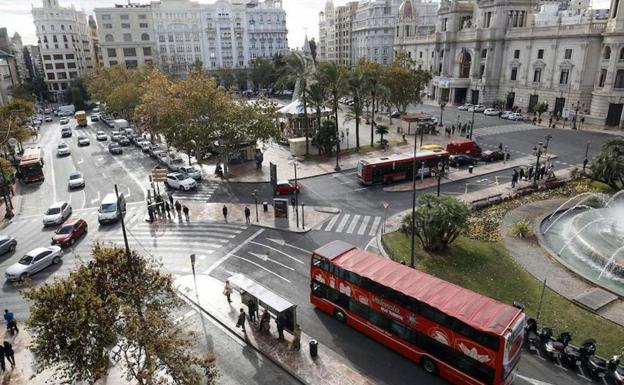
(476, 310)
(403, 157)
(31, 155)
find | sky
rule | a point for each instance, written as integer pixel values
(301, 15)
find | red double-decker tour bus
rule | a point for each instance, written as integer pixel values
(31, 165)
(400, 167)
(460, 335)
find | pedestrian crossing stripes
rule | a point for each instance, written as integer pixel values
(351, 224)
(202, 193)
(505, 129)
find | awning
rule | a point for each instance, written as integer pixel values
(263, 294)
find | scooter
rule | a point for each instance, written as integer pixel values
(596, 366)
(556, 349)
(615, 374)
(552, 348)
(570, 354)
(530, 335)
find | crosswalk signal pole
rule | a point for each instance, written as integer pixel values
(193, 264)
(123, 225)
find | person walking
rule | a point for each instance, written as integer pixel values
(265, 322)
(171, 200)
(279, 322)
(185, 209)
(2, 364)
(227, 291)
(150, 211)
(251, 308)
(514, 178)
(521, 174)
(296, 342)
(500, 147)
(9, 317)
(241, 320)
(247, 214)
(9, 353)
(178, 208)
(530, 173)
(542, 171)
(224, 210)
(168, 210)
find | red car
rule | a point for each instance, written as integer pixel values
(285, 187)
(69, 232)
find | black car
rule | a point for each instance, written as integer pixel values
(114, 149)
(493, 155)
(66, 132)
(462, 160)
(124, 141)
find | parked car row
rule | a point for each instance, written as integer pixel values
(510, 115)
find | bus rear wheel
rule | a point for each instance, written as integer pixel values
(340, 316)
(429, 366)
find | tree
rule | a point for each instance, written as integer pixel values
(539, 108)
(438, 221)
(119, 88)
(262, 73)
(498, 104)
(158, 110)
(381, 130)
(334, 78)
(326, 137)
(371, 74)
(117, 302)
(13, 120)
(404, 83)
(356, 109)
(312, 44)
(299, 71)
(609, 166)
(317, 95)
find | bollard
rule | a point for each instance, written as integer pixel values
(265, 206)
(313, 348)
(470, 169)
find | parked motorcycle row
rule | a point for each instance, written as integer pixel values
(582, 359)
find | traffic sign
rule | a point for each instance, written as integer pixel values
(159, 174)
(385, 205)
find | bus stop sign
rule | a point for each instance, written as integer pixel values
(159, 174)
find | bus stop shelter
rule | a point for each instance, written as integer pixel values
(261, 296)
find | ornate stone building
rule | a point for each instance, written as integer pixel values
(520, 52)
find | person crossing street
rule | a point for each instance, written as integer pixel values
(247, 214)
(185, 209)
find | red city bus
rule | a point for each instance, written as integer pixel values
(399, 167)
(463, 336)
(31, 165)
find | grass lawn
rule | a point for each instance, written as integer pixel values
(486, 268)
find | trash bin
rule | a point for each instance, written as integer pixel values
(265, 206)
(313, 348)
(470, 169)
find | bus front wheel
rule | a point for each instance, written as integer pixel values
(429, 366)
(340, 316)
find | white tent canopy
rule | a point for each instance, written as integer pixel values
(295, 108)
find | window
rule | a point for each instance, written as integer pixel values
(514, 73)
(516, 54)
(62, 27)
(62, 75)
(540, 53)
(129, 52)
(71, 65)
(606, 55)
(127, 37)
(112, 63)
(161, 38)
(619, 79)
(130, 64)
(109, 38)
(124, 17)
(111, 52)
(59, 66)
(69, 56)
(147, 51)
(487, 20)
(145, 37)
(107, 26)
(142, 17)
(49, 66)
(142, 25)
(106, 17)
(567, 54)
(603, 77)
(563, 78)
(444, 21)
(125, 25)
(73, 75)
(58, 57)
(484, 53)
(537, 75)
(46, 57)
(482, 70)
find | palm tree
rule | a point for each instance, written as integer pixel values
(334, 78)
(608, 167)
(317, 96)
(356, 109)
(372, 74)
(299, 70)
(381, 130)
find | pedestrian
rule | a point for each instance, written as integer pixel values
(9, 353)
(161, 205)
(178, 208)
(185, 209)
(224, 210)
(150, 211)
(227, 291)
(168, 210)
(500, 147)
(241, 320)
(251, 308)
(296, 342)
(9, 317)
(530, 173)
(279, 321)
(265, 322)
(247, 214)
(2, 365)
(514, 178)
(171, 200)
(521, 173)
(550, 121)
(550, 174)
(453, 130)
(542, 171)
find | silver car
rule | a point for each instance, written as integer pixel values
(191, 171)
(7, 244)
(57, 213)
(75, 180)
(62, 149)
(33, 262)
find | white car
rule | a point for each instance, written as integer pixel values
(491, 112)
(145, 146)
(101, 136)
(48, 119)
(57, 213)
(75, 180)
(34, 261)
(83, 141)
(477, 108)
(191, 171)
(505, 114)
(465, 107)
(62, 149)
(63, 121)
(180, 181)
(174, 163)
(515, 116)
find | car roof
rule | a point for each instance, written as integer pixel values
(58, 204)
(75, 173)
(176, 174)
(62, 144)
(4, 237)
(283, 181)
(37, 251)
(71, 221)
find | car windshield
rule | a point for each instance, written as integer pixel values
(177, 161)
(108, 208)
(53, 210)
(26, 260)
(65, 230)
(75, 176)
(62, 146)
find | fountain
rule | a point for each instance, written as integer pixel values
(589, 239)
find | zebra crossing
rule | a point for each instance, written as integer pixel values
(351, 224)
(204, 191)
(505, 129)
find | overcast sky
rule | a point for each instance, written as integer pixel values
(301, 15)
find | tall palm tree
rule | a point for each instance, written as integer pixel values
(356, 109)
(317, 96)
(334, 77)
(299, 70)
(372, 72)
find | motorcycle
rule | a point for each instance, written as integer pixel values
(615, 374)
(219, 171)
(596, 366)
(530, 335)
(570, 354)
(556, 349)
(552, 348)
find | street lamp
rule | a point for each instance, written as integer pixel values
(472, 122)
(586, 160)
(297, 192)
(440, 172)
(538, 152)
(442, 105)
(413, 251)
(337, 168)
(254, 194)
(548, 138)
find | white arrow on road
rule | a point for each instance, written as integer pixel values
(265, 257)
(531, 380)
(282, 242)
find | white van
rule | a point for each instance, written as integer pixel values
(120, 124)
(111, 210)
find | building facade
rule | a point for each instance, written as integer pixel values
(373, 31)
(67, 49)
(565, 54)
(176, 34)
(335, 29)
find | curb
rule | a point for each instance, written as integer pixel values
(233, 180)
(242, 338)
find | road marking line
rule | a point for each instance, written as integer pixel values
(373, 229)
(364, 225)
(234, 250)
(531, 380)
(51, 163)
(282, 243)
(260, 266)
(265, 257)
(276, 250)
(331, 223)
(343, 222)
(353, 224)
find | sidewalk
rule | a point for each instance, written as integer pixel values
(309, 216)
(328, 368)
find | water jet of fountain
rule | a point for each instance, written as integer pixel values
(617, 194)
(572, 238)
(565, 212)
(610, 262)
(600, 195)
